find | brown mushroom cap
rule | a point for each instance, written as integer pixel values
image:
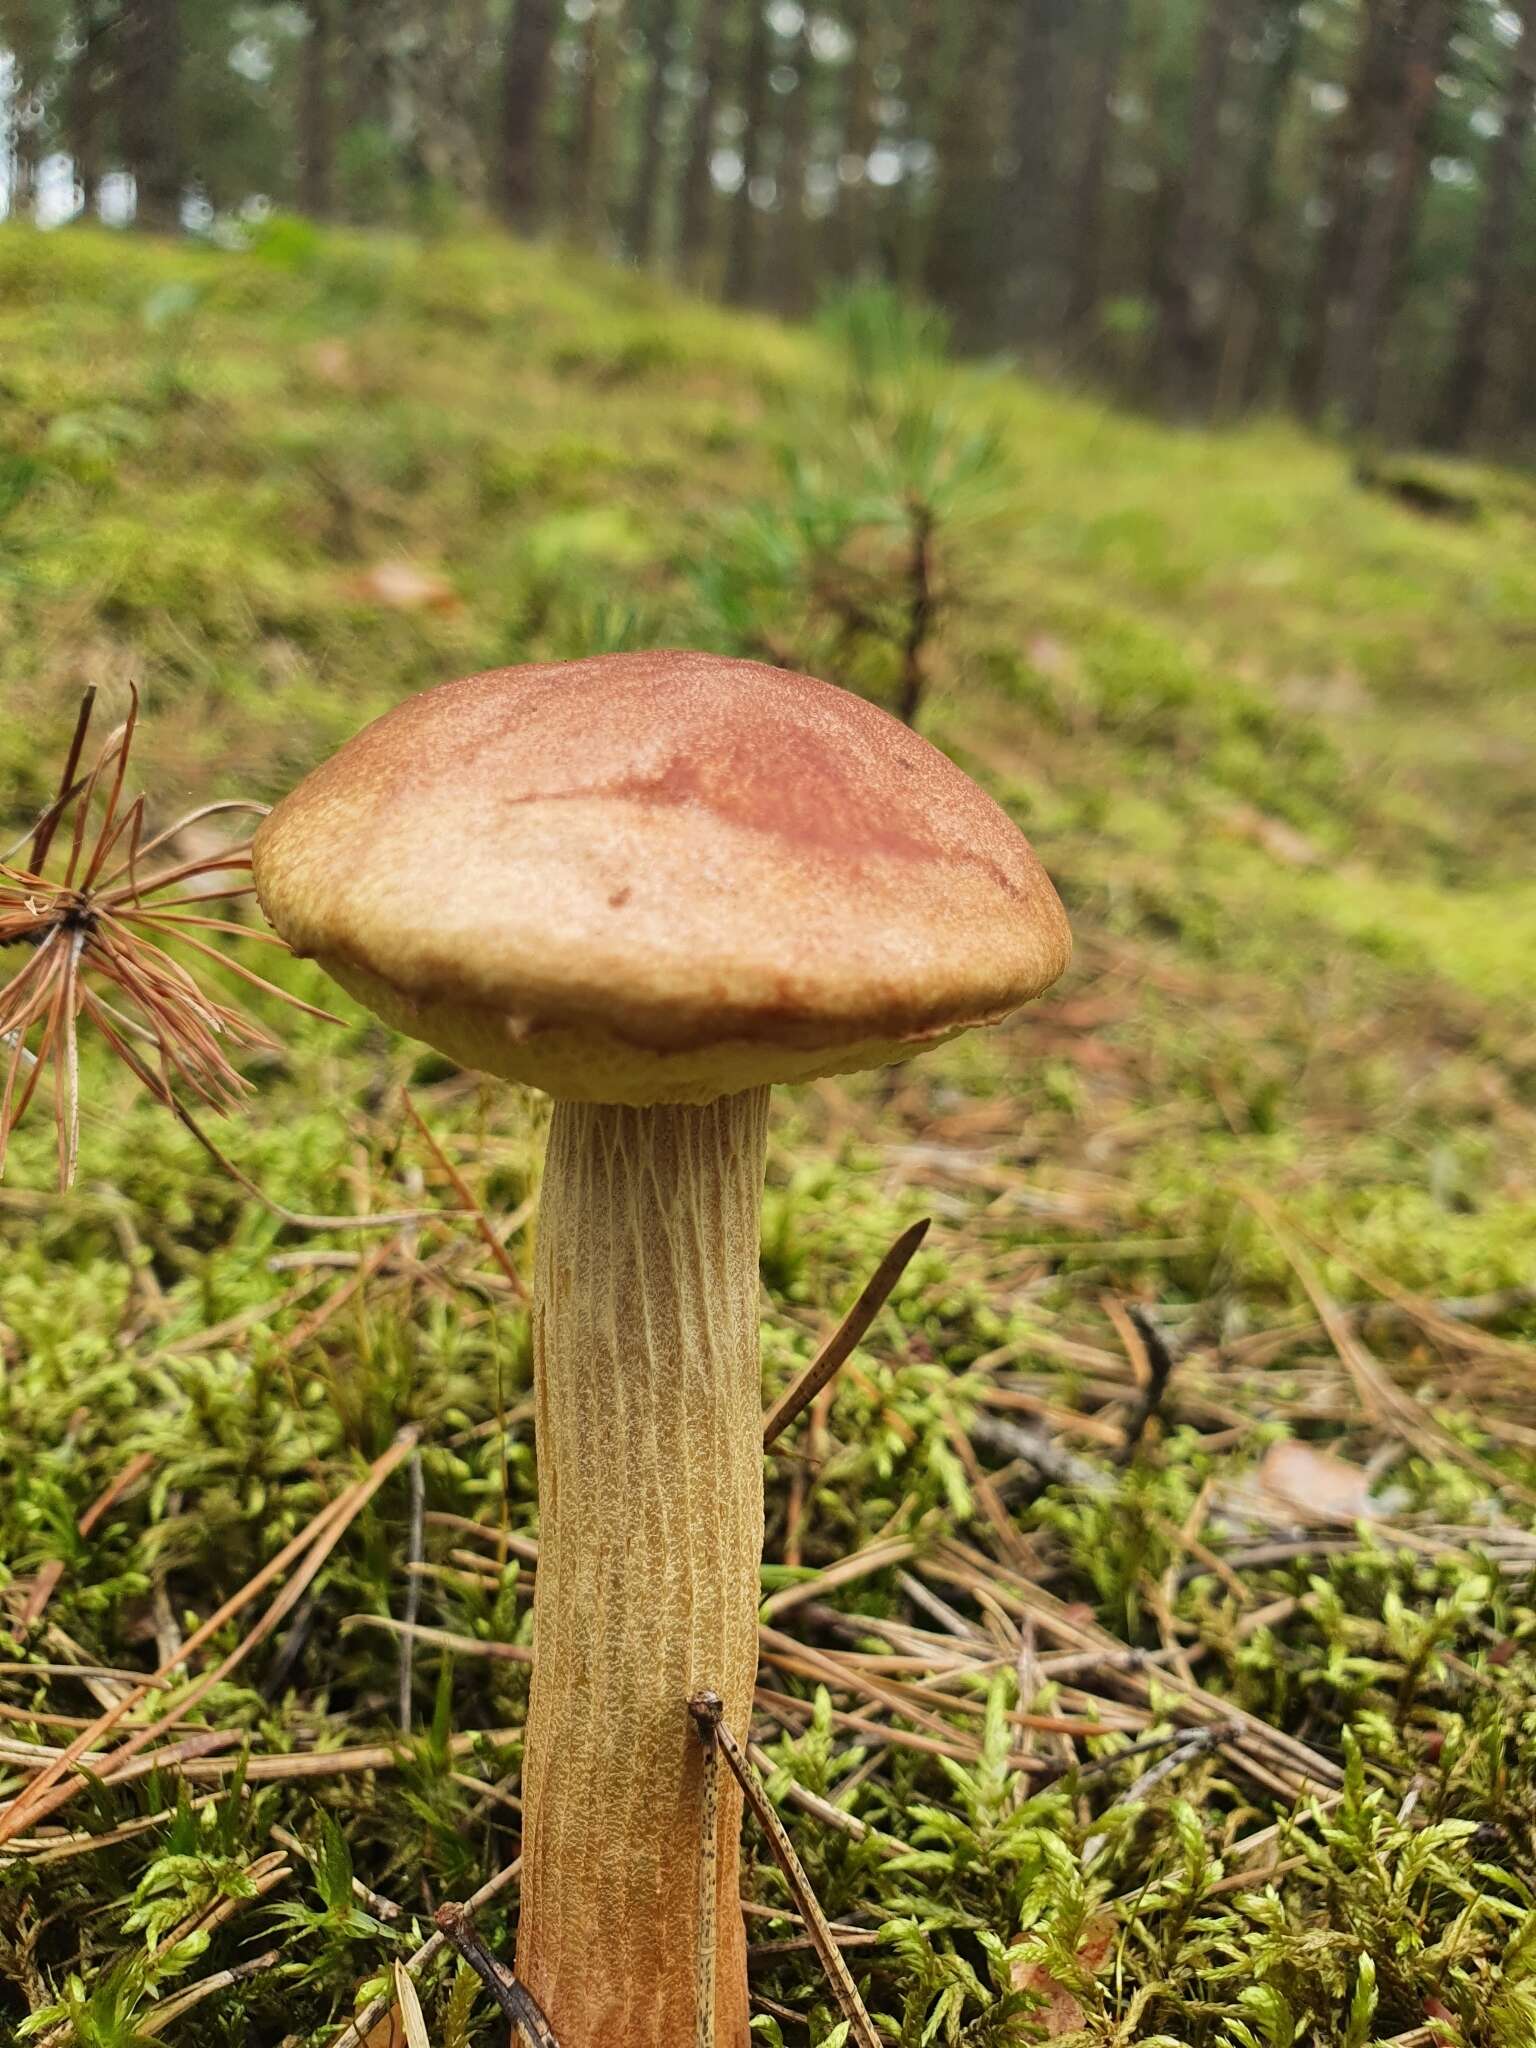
(659, 877)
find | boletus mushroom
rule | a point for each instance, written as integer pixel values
(651, 885)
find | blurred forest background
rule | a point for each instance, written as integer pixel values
(1209, 205)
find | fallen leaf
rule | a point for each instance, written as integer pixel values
(1300, 1476)
(1280, 841)
(331, 363)
(388, 2032)
(1062, 2012)
(1053, 658)
(404, 587)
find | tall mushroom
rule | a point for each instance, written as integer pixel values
(651, 885)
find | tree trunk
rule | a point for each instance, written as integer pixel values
(861, 131)
(1192, 285)
(443, 59)
(1466, 378)
(1034, 241)
(962, 272)
(1087, 213)
(1251, 321)
(648, 1395)
(695, 199)
(795, 286)
(1389, 221)
(1344, 201)
(919, 69)
(84, 106)
(148, 49)
(592, 169)
(359, 72)
(741, 249)
(525, 81)
(645, 203)
(316, 126)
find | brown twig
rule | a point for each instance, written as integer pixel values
(845, 1339)
(1160, 1363)
(516, 2001)
(461, 1188)
(358, 2030)
(709, 1718)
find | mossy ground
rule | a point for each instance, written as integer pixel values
(1273, 734)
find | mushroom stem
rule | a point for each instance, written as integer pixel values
(648, 1387)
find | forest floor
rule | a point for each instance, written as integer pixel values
(1202, 1712)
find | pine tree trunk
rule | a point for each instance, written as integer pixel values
(1192, 285)
(962, 272)
(592, 170)
(1390, 220)
(1466, 378)
(359, 71)
(919, 70)
(645, 203)
(316, 127)
(1344, 202)
(1251, 322)
(795, 287)
(526, 68)
(84, 107)
(861, 131)
(1035, 246)
(741, 248)
(695, 207)
(148, 52)
(1087, 215)
(443, 60)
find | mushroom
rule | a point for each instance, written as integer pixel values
(651, 885)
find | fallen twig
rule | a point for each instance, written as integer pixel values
(845, 1338)
(516, 2001)
(708, 1713)
(357, 2030)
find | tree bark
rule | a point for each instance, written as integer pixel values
(1344, 202)
(1251, 321)
(592, 166)
(695, 209)
(149, 49)
(1466, 378)
(1035, 245)
(741, 249)
(925, 115)
(645, 203)
(1390, 220)
(526, 66)
(83, 106)
(317, 138)
(795, 286)
(647, 1384)
(1087, 244)
(962, 272)
(1192, 285)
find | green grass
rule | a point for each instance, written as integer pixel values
(1274, 736)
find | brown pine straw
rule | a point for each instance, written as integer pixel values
(359, 2030)
(847, 1336)
(314, 1544)
(98, 933)
(709, 1719)
(1381, 1399)
(101, 934)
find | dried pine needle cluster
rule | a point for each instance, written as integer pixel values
(98, 932)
